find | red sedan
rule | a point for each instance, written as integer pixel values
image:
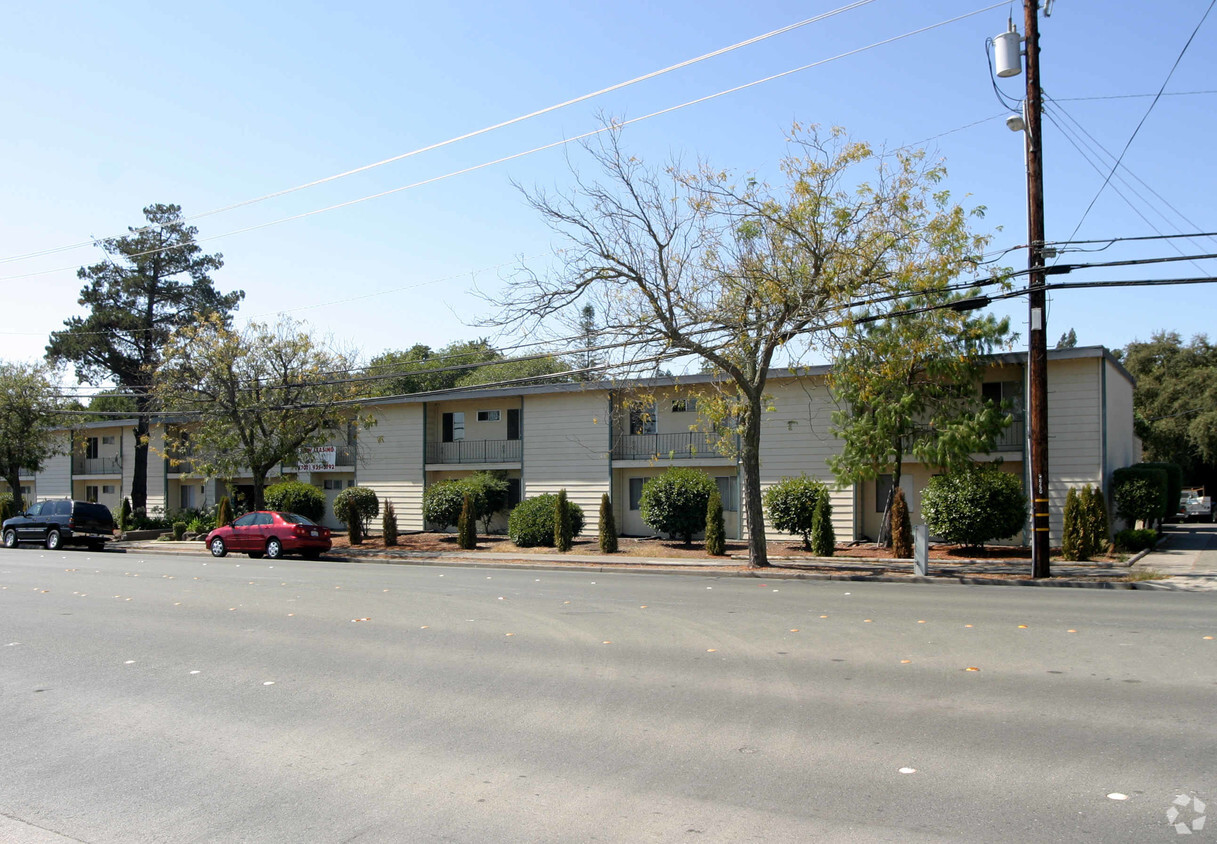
(271, 533)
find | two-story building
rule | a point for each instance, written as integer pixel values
(599, 438)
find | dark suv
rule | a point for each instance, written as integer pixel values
(61, 522)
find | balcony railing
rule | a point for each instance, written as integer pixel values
(1011, 439)
(683, 446)
(97, 465)
(475, 451)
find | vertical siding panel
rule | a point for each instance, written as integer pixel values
(566, 447)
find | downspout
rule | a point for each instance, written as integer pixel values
(423, 521)
(1103, 424)
(613, 498)
(521, 433)
(71, 468)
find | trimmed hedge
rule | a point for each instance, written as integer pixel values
(716, 531)
(532, 521)
(443, 501)
(357, 503)
(975, 505)
(675, 502)
(608, 526)
(791, 504)
(296, 497)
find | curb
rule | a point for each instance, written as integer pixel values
(772, 574)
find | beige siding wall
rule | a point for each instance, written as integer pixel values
(1074, 432)
(566, 445)
(630, 522)
(796, 438)
(391, 461)
(1122, 447)
(54, 481)
(474, 430)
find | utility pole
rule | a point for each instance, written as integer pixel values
(1037, 347)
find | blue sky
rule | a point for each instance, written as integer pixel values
(111, 107)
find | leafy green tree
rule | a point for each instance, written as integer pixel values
(1069, 340)
(608, 526)
(257, 398)
(30, 422)
(716, 532)
(1175, 402)
(791, 504)
(153, 282)
(974, 505)
(675, 502)
(728, 269)
(1140, 494)
(911, 387)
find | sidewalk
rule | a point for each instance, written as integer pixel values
(973, 572)
(1188, 554)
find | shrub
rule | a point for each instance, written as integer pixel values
(1174, 485)
(1097, 528)
(608, 526)
(562, 524)
(143, 520)
(1072, 540)
(347, 511)
(124, 514)
(1135, 540)
(902, 528)
(675, 502)
(442, 502)
(974, 505)
(1140, 494)
(532, 521)
(356, 504)
(791, 504)
(179, 531)
(223, 512)
(6, 506)
(716, 541)
(466, 525)
(823, 538)
(388, 525)
(296, 497)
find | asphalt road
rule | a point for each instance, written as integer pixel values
(182, 698)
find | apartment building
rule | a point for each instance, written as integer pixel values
(605, 437)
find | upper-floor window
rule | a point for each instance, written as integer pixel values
(642, 419)
(107, 440)
(489, 415)
(1010, 392)
(91, 448)
(684, 405)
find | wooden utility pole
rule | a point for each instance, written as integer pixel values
(1037, 351)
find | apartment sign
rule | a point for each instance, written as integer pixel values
(319, 459)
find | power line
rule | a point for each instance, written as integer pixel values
(486, 129)
(564, 142)
(1133, 136)
(1136, 96)
(1112, 240)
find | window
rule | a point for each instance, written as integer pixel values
(107, 440)
(91, 494)
(59, 508)
(513, 423)
(883, 488)
(334, 485)
(453, 427)
(107, 489)
(91, 448)
(728, 488)
(513, 492)
(636, 492)
(1004, 391)
(247, 520)
(642, 419)
(489, 415)
(684, 405)
(25, 490)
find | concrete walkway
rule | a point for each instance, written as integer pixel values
(1188, 554)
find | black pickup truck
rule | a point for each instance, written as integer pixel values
(61, 522)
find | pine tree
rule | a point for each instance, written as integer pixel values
(466, 526)
(902, 529)
(354, 521)
(608, 526)
(562, 523)
(1093, 506)
(388, 524)
(1073, 541)
(823, 539)
(124, 515)
(716, 543)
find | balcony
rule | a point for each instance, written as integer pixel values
(690, 445)
(82, 465)
(476, 451)
(1012, 438)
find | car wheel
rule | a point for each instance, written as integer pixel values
(274, 548)
(10, 538)
(53, 540)
(217, 547)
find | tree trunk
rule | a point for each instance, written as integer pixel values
(14, 484)
(750, 458)
(139, 473)
(885, 526)
(259, 483)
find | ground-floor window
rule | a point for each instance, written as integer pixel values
(636, 492)
(107, 489)
(513, 492)
(91, 494)
(728, 491)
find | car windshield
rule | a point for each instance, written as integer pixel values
(296, 519)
